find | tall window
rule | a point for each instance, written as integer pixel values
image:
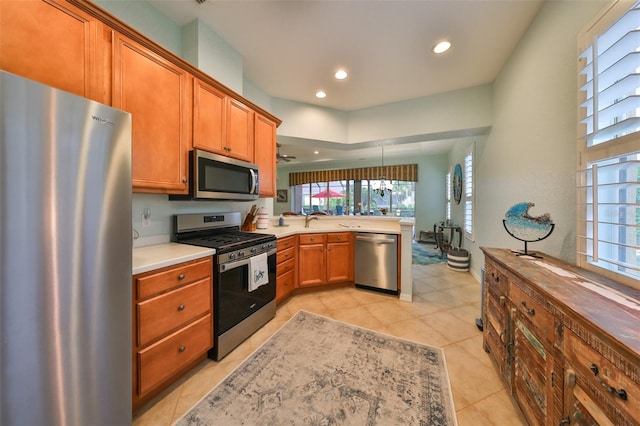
(448, 192)
(468, 194)
(608, 178)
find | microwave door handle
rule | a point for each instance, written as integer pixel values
(253, 181)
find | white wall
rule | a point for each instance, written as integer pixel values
(529, 154)
(148, 20)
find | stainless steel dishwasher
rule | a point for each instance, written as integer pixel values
(376, 262)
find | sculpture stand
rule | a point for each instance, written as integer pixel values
(526, 252)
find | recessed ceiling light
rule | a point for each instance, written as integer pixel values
(442, 47)
(340, 74)
(316, 152)
(320, 94)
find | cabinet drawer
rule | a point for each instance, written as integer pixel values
(162, 314)
(534, 312)
(338, 237)
(286, 242)
(286, 282)
(603, 388)
(311, 239)
(165, 279)
(284, 255)
(169, 355)
(285, 267)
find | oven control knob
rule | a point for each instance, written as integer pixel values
(232, 256)
(240, 253)
(253, 249)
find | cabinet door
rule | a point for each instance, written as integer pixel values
(209, 117)
(157, 94)
(496, 320)
(239, 131)
(265, 155)
(311, 265)
(339, 262)
(532, 369)
(53, 43)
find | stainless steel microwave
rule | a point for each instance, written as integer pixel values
(216, 177)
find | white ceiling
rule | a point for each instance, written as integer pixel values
(291, 48)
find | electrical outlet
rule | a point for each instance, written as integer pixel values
(146, 217)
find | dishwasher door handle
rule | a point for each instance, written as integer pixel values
(376, 240)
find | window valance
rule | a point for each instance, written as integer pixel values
(404, 172)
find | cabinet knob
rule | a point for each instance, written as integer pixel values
(180, 277)
(184, 180)
(182, 348)
(181, 308)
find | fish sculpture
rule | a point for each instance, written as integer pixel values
(522, 226)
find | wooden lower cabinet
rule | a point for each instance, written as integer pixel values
(172, 325)
(340, 257)
(286, 267)
(568, 355)
(325, 258)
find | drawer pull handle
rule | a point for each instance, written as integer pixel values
(180, 277)
(496, 278)
(620, 392)
(530, 311)
(181, 308)
(565, 421)
(182, 348)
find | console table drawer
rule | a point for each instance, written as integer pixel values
(601, 380)
(495, 280)
(534, 312)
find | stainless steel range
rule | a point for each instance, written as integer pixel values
(239, 308)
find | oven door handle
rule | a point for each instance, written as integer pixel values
(232, 265)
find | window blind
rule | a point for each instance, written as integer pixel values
(608, 166)
(405, 172)
(610, 73)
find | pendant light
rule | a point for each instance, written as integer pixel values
(382, 188)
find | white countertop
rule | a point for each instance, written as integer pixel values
(295, 225)
(158, 256)
(150, 257)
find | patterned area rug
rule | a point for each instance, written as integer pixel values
(426, 254)
(318, 371)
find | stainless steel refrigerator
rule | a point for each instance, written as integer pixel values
(65, 258)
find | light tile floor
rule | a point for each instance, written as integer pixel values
(443, 312)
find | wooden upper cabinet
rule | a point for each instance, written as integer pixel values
(55, 44)
(265, 154)
(239, 131)
(209, 118)
(157, 93)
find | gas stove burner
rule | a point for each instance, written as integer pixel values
(222, 234)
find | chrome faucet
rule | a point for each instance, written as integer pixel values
(308, 218)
